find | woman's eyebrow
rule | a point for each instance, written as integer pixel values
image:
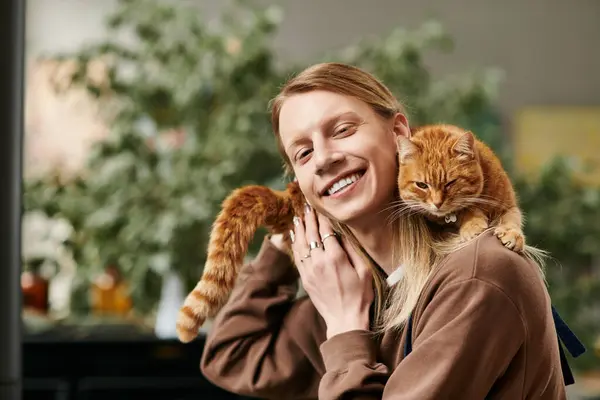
(343, 115)
(325, 123)
(328, 123)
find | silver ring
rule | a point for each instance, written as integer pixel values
(314, 245)
(327, 236)
(306, 256)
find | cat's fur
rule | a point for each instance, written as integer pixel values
(462, 176)
(435, 154)
(243, 212)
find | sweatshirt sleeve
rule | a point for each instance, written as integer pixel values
(455, 350)
(352, 370)
(258, 344)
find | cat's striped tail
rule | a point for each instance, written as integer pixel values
(242, 213)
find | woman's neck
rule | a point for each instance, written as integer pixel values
(376, 238)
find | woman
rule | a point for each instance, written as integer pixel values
(479, 321)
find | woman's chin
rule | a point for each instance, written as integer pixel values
(351, 212)
(345, 216)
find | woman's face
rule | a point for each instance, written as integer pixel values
(342, 152)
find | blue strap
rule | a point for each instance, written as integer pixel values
(571, 342)
(564, 333)
(408, 343)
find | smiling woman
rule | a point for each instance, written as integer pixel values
(329, 137)
(478, 321)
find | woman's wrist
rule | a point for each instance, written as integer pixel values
(354, 322)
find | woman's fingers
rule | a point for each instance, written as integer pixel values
(312, 232)
(328, 237)
(332, 246)
(315, 239)
(299, 245)
(325, 227)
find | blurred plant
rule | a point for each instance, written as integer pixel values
(563, 216)
(186, 107)
(398, 60)
(186, 104)
(44, 242)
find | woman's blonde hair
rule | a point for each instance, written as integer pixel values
(412, 240)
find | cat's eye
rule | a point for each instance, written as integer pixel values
(421, 185)
(450, 183)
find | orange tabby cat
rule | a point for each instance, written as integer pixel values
(451, 177)
(444, 172)
(243, 212)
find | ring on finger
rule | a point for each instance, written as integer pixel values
(306, 256)
(314, 245)
(328, 236)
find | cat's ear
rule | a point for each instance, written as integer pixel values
(465, 146)
(406, 148)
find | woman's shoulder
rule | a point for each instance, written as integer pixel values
(486, 260)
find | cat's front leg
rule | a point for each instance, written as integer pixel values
(473, 221)
(509, 229)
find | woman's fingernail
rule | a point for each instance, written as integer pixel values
(307, 207)
(292, 236)
(296, 220)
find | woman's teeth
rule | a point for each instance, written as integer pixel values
(342, 183)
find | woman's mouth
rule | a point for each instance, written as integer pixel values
(344, 185)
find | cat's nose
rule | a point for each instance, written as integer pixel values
(438, 203)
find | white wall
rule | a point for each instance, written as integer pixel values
(63, 25)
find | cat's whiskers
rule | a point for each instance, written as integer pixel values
(397, 213)
(406, 213)
(400, 203)
(407, 208)
(392, 206)
(482, 202)
(413, 202)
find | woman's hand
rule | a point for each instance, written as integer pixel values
(335, 277)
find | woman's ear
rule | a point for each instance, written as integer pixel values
(400, 125)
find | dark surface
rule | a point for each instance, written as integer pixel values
(11, 125)
(94, 368)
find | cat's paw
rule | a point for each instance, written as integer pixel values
(471, 229)
(511, 238)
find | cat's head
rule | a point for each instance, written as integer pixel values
(440, 171)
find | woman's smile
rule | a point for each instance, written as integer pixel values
(345, 186)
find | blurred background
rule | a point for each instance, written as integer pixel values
(142, 115)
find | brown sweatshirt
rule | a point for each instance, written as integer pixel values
(482, 326)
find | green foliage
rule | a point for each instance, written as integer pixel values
(563, 216)
(147, 199)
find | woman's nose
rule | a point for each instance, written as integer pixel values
(326, 158)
